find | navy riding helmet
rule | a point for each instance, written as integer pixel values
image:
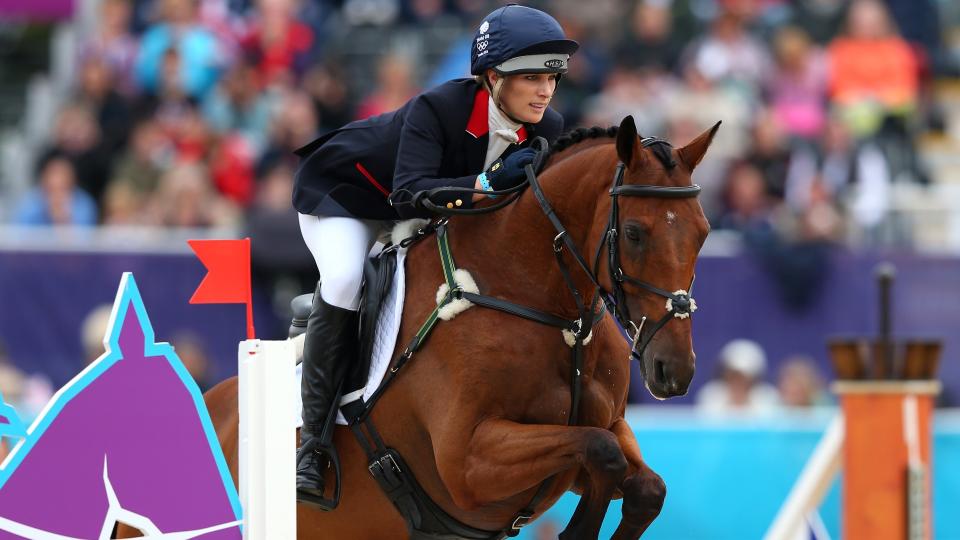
(520, 39)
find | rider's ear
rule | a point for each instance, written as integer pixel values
(692, 153)
(626, 140)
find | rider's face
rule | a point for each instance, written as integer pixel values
(526, 96)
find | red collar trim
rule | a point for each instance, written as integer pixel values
(479, 123)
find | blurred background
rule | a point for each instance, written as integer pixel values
(128, 126)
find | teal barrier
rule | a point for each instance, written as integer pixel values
(727, 477)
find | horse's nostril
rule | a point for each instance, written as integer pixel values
(659, 372)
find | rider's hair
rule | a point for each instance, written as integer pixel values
(660, 148)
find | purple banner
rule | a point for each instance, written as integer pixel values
(36, 10)
(45, 296)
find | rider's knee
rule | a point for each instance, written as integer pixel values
(342, 289)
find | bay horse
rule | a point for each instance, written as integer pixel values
(480, 413)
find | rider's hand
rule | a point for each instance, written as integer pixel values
(507, 173)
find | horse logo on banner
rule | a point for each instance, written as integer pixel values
(128, 440)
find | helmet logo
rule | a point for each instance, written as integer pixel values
(483, 39)
(554, 64)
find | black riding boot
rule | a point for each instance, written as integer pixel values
(329, 350)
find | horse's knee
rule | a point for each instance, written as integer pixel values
(603, 454)
(643, 496)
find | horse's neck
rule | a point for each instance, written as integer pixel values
(513, 249)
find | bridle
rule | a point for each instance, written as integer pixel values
(680, 304)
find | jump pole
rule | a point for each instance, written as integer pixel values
(267, 439)
(267, 398)
(887, 389)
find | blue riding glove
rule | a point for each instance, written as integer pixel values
(507, 173)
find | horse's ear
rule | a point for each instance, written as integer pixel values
(692, 153)
(626, 140)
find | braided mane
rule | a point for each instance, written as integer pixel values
(577, 135)
(659, 147)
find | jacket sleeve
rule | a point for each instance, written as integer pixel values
(419, 160)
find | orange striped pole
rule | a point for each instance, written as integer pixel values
(886, 458)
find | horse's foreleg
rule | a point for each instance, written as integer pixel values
(643, 490)
(504, 458)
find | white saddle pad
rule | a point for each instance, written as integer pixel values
(384, 341)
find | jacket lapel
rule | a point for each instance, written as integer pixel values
(476, 150)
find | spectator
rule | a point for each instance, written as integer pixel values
(77, 136)
(326, 87)
(177, 114)
(201, 55)
(98, 92)
(770, 153)
(139, 169)
(797, 89)
(293, 125)
(649, 39)
(873, 71)
(800, 383)
(748, 206)
(193, 355)
(842, 169)
(114, 45)
(57, 200)
(93, 330)
(740, 386)
(277, 43)
(728, 54)
(232, 162)
(186, 198)
(638, 92)
(394, 87)
(240, 104)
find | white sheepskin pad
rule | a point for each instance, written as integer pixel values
(571, 339)
(454, 308)
(405, 229)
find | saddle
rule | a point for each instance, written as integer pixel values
(378, 274)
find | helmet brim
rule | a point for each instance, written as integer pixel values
(556, 46)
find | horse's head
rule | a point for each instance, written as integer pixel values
(660, 228)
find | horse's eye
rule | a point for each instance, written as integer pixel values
(633, 233)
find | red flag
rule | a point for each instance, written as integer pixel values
(228, 274)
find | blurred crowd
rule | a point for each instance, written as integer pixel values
(741, 385)
(185, 112)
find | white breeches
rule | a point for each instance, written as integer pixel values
(339, 246)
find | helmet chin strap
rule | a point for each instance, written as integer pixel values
(495, 94)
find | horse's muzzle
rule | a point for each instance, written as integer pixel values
(669, 377)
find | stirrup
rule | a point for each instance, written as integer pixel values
(327, 450)
(323, 446)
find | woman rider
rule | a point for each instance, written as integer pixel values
(353, 182)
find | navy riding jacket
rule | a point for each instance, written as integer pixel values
(437, 139)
